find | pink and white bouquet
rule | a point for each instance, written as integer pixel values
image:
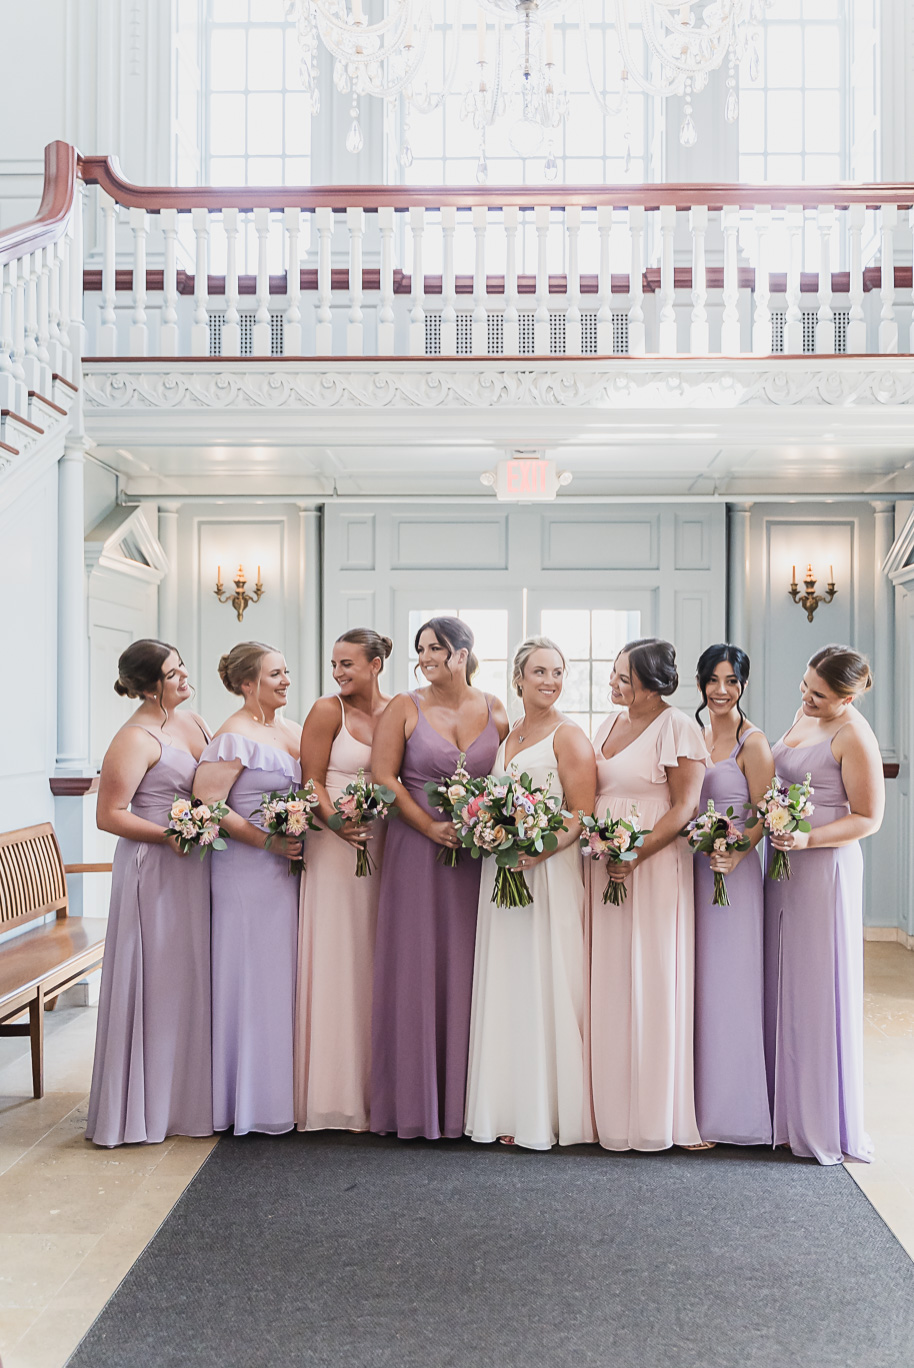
(614, 840)
(713, 832)
(197, 825)
(784, 807)
(288, 814)
(450, 795)
(507, 818)
(360, 803)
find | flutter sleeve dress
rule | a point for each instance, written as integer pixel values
(642, 954)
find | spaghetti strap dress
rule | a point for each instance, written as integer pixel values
(527, 1076)
(731, 1090)
(255, 937)
(423, 975)
(642, 954)
(336, 936)
(814, 979)
(152, 1074)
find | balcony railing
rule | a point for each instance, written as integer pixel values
(375, 271)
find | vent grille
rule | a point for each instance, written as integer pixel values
(433, 334)
(777, 332)
(495, 325)
(620, 333)
(842, 319)
(589, 333)
(557, 334)
(527, 334)
(464, 334)
(809, 330)
(246, 323)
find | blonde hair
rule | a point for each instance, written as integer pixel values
(523, 653)
(241, 665)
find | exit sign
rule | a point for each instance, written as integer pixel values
(526, 478)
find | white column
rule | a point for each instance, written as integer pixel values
(231, 328)
(573, 338)
(793, 318)
(7, 378)
(888, 324)
(386, 316)
(291, 333)
(417, 310)
(604, 310)
(480, 338)
(54, 255)
(139, 332)
(511, 215)
(355, 340)
(261, 339)
(884, 631)
(168, 588)
(730, 343)
(199, 333)
(666, 342)
(323, 327)
(856, 323)
(311, 635)
(825, 319)
(636, 340)
(72, 654)
(30, 361)
(699, 338)
(761, 323)
(107, 332)
(168, 333)
(44, 323)
(738, 586)
(541, 315)
(448, 282)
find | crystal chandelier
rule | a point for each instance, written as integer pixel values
(380, 48)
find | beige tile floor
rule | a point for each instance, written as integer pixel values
(73, 1218)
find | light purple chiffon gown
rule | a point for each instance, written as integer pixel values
(255, 941)
(814, 979)
(152, 1075)
(424, 952)
(731, 1090)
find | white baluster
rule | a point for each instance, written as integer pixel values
(605, 297)
(291, 333)
(511, 335)
(19, 281)
(386, 311)
(541, 316)
(825, 320)
(168, 333)
(448, 283)
(480, 316)
(417, 312)
(793, 318)
(199, 333)
(65, 252)
(856, 323)
(761, 322)
(107, 332)
(30, 360)
(699, 338)
(355, 222)
(261, 338)
(139, 333)
(323, 327)
(55, 345)
(77, 328)
(231, 328)
(7, 375)
(888, 325)
(636, 339)
(729, 327)
(43, 323)
(666, 342)
(573, 340)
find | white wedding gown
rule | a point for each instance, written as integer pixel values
(526, 1071)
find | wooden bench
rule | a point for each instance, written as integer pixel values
(37, 965)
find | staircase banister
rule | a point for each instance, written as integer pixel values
(105, 172)
(50, 223)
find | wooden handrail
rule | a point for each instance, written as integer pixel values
(105, 172)
(50, 223)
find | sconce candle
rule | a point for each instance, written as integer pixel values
(810, 600)
(240, 600)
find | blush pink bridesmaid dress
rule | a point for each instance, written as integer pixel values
(339, 917)
(642, 955)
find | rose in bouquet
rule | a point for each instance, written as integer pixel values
(614, 840)
(197, 825)
(450, 795)
(783, 807)
(713, 832)
(507, 818)
(288, 814)
(361, 803)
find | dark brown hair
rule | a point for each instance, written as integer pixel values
(456, 636)
(845, 671)
(654, 662)
(241, 665)
(375, 646)
(139, 668)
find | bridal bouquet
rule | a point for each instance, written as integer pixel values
(362, 802)
(450, 795)
(288, 814)
(614, 840)
(197, 825)
(710, 832)
(784, 807)
(508, 818)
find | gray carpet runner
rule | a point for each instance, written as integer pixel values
(330, 1250)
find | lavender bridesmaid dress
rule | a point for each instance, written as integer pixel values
(255, 934)
(814, 979)
(731, 1090)
(424, 952)
(152, 1075)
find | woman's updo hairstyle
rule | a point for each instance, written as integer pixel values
(139, 669)
(375, 646)
(523, 653)
(654, 662)
(456, 636)
(708, 662)
(844, 670)
(241, 665)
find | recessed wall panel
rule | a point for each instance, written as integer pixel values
(572, 544)
(450, 544)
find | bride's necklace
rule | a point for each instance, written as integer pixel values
(523, 735)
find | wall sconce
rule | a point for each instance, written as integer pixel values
(811, 600)
(239, 600)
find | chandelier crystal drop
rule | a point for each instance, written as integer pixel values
(665, 48)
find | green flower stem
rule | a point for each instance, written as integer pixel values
(511, 889)
(720, 898)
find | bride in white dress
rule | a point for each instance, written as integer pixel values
(527, 1083)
